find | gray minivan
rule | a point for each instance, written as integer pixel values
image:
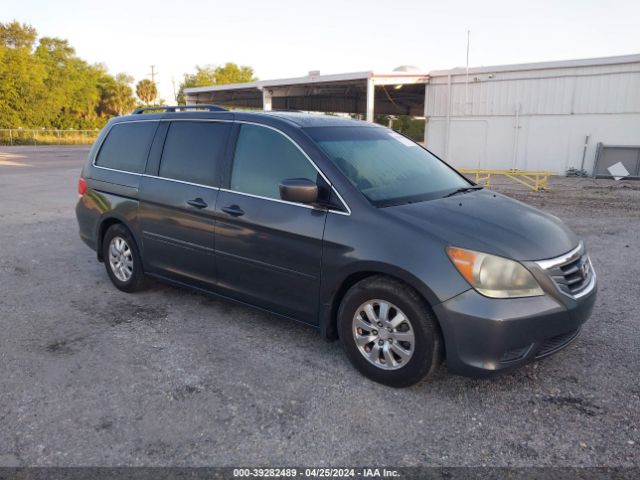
(344, 225)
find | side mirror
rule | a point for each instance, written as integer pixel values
(299, 190)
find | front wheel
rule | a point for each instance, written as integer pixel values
(389, 332)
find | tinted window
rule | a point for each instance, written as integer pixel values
(192, 151)
(386, 167)
(127, 146)
(263, 159)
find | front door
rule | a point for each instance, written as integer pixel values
(269, 252)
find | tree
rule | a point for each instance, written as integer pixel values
(210, 75)
(116, 95)
(21, 77)
(232, 73)
(71, 94)
(146, 90)
(17, 35)
(44, 84)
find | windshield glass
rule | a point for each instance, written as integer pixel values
(386, 167)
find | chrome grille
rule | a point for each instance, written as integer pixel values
(572, 273)
(572, 277)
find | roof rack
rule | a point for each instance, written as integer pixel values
(176, 108)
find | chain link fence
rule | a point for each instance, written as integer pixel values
(43, 136)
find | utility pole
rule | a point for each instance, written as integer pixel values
(153, 73)
(153, 78)
(466, 88)
(175, 95)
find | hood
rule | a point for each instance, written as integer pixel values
(489, 222)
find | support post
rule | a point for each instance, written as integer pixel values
(371, 96)
(426, 113)
(448, 124)
(266, 100)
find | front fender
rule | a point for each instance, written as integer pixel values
(356, 246)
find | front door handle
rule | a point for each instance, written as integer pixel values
(233, 210)
(197, 203)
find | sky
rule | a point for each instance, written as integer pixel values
(290, 38)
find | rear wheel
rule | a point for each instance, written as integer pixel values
(122, 259)
(389, 332)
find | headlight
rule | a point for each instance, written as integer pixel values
(493, 276)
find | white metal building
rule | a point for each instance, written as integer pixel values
(533, 116)
(536, 116)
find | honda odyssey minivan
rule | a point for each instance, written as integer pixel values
(341, 224)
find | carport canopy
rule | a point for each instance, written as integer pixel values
(365, 93)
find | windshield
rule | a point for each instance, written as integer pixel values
(386, 167)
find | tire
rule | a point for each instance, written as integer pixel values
(130, 278)
(419, 334)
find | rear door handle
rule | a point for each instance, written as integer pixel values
(233, 210)
(197, 203)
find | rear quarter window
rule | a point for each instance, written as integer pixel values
(127, 146)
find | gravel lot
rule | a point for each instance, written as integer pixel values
(92, 376)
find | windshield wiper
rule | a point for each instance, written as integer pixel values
(463, 190)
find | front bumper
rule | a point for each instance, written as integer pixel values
(484, 335)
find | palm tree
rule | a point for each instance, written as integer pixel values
(146, 91)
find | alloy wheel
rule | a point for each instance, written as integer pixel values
(120, 259)
(383, 334)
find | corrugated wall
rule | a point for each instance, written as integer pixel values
(541, 92)
(533, 119)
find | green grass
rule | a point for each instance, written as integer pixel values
(60, 137)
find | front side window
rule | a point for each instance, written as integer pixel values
(263, 158)
(127, 146)
(386, 167)
(192, 151)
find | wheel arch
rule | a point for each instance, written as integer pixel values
(104, 224)
(329, 314)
